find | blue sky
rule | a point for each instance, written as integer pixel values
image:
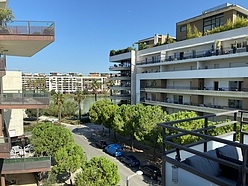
(86, 30)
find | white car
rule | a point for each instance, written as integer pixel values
(16, 149)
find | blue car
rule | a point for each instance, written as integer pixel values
(114, 150)
(130, 160)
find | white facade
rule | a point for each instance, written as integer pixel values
(191, 73)
(12, 83)
(65, 83)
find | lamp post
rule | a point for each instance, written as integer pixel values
(136, 173)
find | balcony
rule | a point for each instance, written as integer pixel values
(206, 91)
(119, 67)
(206, 54)
(25, 165)
(120, 97)
(25, 38)
(13, 100)
(199, 108)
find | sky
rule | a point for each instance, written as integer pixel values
(86, 30)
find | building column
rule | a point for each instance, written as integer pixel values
(1, 122)
(2, 180)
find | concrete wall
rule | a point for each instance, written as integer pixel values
(12, 82)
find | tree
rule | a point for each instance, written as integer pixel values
(69, 108)
(6, 15)
(79, 97)
(69, 159)
(95, 85)
(48, 138)
(99, 171)
(58, 99)
(108, 113)
(96, 111)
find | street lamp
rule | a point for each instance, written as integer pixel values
(136, 173)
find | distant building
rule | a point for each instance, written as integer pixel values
(64, 83)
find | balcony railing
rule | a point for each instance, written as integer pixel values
(143, 87)
(12, 98)
(196, 54)
(28, 28)
(24, 165)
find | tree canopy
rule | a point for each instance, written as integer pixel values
(48, 138)
(98, 171)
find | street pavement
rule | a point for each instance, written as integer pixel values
(87, 135)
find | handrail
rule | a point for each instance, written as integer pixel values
(28, 28)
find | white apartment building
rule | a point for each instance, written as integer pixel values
(64, 83)
(207, 74)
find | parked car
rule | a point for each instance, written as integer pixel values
(16, 149)
(151, 171)
(29, 148)
(130, 160)
(101, 144)
(114, 150)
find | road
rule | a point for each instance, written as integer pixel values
(83, 137)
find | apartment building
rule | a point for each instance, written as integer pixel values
(64, 83)
(210, 18)
(122, 88)
(207, 74)
(19, 38)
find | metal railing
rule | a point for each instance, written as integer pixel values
(28, 28)
(26, 164)
(196, 54)
(18, 97)
(169, 146)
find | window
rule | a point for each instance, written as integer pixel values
(216, 65)
(212, 22)
(183, 28)
(239, 14)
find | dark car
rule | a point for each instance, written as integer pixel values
(151, 171)
(130, 160)
(101, 144)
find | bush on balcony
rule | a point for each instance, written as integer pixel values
(116, 52)
(238, 23)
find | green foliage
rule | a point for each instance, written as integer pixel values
(99, 171)
(48, 138)
(96, 111)
(58, 100)
(116, 52)
(6, 14)
(52, 92)
(69, 108)
(238, 23)
(79, 97)
(32, 113)
(69, 158)
(142, 46)
(192, 33)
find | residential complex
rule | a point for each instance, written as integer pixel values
(19, 38)
(206, 74)
(64, 83)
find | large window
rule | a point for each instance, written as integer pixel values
(212, 22)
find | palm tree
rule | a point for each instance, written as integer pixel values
(59, 99)
(95, 85)
(79, 97)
